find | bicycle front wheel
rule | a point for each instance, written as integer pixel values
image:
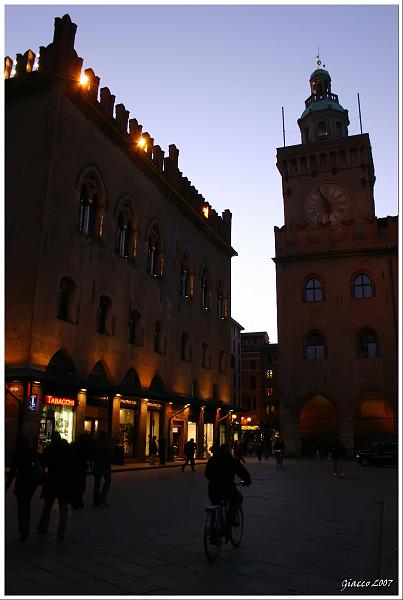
(236, 531)
(212, 536)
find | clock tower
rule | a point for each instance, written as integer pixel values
(329, 249)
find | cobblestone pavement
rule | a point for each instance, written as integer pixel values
(305, 533)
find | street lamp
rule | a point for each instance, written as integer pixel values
(169, 424)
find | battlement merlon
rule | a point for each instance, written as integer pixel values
(379, 233)
(60, 60)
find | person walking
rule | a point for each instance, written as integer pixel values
(267, 448)
(338, 452)
(102, 468)
(153, 449)
(57, 460)
(27, 472)
(238, 451)
(162, 449)
(81, 451)
(259, 450)
(189, 449)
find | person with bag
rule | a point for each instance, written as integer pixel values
(153, 449)
(57, 459)
(27, 471)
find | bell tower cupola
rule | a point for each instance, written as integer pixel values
(323, 117)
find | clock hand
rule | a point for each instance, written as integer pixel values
(327, 204)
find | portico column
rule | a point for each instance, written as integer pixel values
(200, 434)
(80, 412)
(140, 442)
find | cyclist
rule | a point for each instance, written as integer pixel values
(220, 472)
(279, 450)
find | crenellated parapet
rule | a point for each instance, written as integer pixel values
(377, 234)
(60, 60)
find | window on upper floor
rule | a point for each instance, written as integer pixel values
(252, 382)
(186, 351)
(252, 365)
(338, 129)
(362, 286)
(186, 277)
(92, 205)
(125, 246)
(205, 356)
(222, 311)
(67, 301)
(368, 345)
(155, 257)
(313, 290)
(157, 336)
(105, 321)
(221, 365)
(135, 329)
(315, 348)
(205, 289)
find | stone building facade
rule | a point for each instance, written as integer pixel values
(118, 271)
(336, 269)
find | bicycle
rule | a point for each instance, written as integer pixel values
(279, 458)
(220, 527)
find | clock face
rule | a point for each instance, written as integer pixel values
(327, 203)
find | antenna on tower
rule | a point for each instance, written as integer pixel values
(359, 110)
(282, 114)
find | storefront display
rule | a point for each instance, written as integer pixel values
(127, 416)
(153, 423)
(57, 415)
(208, 437)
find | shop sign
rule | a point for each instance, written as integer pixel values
(253, 427)
(15, 388)
(154, 405)
(56, 401)
(125, 402)
(33, 402)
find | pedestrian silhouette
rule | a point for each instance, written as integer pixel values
(162, 449)
(153, 449)
(81, 455)
(259, 450)
(338, 452)
(102, 468)
(189, 449)
(27, 472)
(238, 451)
(57, 459)
(214, 448)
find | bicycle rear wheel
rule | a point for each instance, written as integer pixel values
(236, 532)
(212, 535)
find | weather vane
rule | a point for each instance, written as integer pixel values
(318, 61)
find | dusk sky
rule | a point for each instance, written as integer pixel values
(212, 80)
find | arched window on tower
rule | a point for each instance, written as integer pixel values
(322, 129)
(362, 286)
(338, 129)
(135, 330)
(124, 242)
(186, 351)
(186, 277)
(368, 345)
(313, 290)
(315, 348)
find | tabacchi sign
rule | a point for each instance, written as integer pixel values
(59, 401)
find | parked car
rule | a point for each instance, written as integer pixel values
(382, 451)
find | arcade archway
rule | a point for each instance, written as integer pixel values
(372, 418)
(319, 421)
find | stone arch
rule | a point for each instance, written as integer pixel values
(320, 421)
(157, 385)
(132, 379)
(61, 363)
(100, 372)
(372, 417)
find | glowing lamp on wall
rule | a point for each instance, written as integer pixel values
(206, 210)
(84, 79)
(249, 419)
(142, 144)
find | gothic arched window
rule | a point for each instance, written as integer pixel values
(67, 301)
(105, 322)
(135, 330)
(92, 205)
(186, 277)
(205, 290)
(154, 252)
